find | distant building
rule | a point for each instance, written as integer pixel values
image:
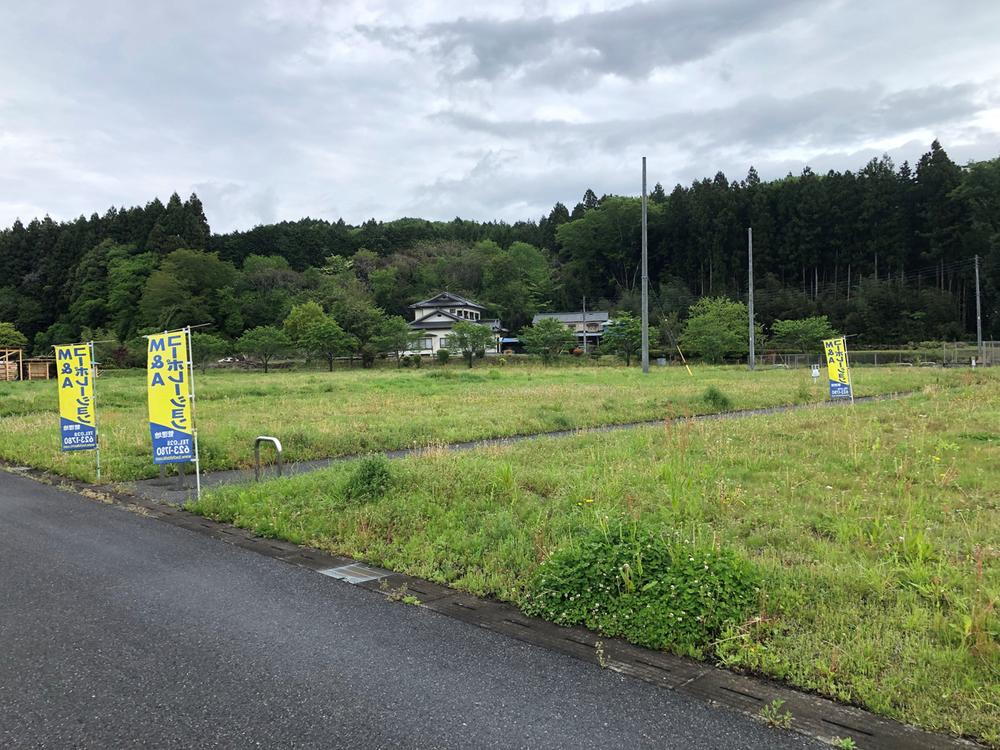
(434, 319)
(589, 326)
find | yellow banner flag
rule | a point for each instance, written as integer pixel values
(77, 417)
(168, 388)
(838, 368)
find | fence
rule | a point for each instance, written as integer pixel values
(947, 354)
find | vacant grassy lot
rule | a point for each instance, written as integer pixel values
(875, 529)
(320, 415)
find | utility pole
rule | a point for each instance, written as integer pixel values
(753, 358)
(979, 319)
(645, 279)
(585, 325)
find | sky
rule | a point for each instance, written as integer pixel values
(279, 109)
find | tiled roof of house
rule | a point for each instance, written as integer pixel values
(492, 323)
(593, 316)
(445, 299)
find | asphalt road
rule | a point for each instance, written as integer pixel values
(121, 631)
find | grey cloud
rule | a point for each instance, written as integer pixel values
(244, 205)
(273, 110)
(831, 117)
(631, 42)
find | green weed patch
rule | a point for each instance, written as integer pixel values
(654, 588)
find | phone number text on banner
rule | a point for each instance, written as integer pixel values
(838, 368)
(171, 424)
(77, 425)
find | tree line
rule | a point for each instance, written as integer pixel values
(885, 253)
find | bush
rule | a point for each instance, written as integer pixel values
(370, 479)
(716, 399)
(653, 590)
(443, 355)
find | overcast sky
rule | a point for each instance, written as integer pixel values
(282, 109)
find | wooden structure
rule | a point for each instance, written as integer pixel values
(11, 364)
(14, 366)
(39, 368)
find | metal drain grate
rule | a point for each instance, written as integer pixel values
(356, 573)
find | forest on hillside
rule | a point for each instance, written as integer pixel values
(885, 252)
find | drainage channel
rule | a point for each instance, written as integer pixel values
(812, 715)
(168, 490)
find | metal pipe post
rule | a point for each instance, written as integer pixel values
(645, 278)
(753, 356)
(979, 318)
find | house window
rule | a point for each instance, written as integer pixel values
(424, 343)
(443, 342)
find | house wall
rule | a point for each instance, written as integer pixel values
(438, 339)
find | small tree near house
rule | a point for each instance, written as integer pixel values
(470, 339)
(396, 336)
(547, 338)
(623, 337)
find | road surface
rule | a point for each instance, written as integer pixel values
(122, 631)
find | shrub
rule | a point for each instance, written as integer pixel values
(443, 355)
(716, 399)
(370, 479)
(654, 590)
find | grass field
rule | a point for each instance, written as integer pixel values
(876, 527)
(320, 415)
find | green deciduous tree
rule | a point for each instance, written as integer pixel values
(470, 339)
(300, 319)
(803, 335)
(623, 337)
(263, 343)
(325, 338)
(207, 348)
(396, 336)
(11, 338)
(717, 328)
(184, 289)
(547, 338)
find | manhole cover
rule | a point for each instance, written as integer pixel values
(356, 573)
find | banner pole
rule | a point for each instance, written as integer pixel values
(194, 413)
(97, 429)
(847, 361)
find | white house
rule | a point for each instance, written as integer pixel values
(435, 317)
